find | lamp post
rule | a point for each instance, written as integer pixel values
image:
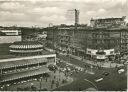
(40, 83)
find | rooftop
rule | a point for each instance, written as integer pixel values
(25, 74)
(20, 62)
(26, 43)
(109, 18)
(4, 52)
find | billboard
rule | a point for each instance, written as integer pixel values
(101, 57)
(94, 52)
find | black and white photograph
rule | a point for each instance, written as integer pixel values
(63, 45)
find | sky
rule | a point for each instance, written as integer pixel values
(42, 12)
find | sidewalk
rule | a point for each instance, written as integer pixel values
(102, 64)
(44, 83)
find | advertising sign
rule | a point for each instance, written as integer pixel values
(101, 57)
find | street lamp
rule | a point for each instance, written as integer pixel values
(40, 83)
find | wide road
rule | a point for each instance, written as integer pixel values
(112, 82)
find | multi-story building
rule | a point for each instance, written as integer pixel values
(52, 37)
(124, 41)
(103, 43)
(14, 70)
(32, 60)
(9, 35)
(33, 34)
(98, 43)
(108, 22)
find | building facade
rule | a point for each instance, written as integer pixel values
(100, 43)
(9, 35)
(108, 22)
(124, 41)
(20, 69)
(33, 34)
(26, 48)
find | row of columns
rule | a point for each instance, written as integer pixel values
(26, 76)
(27, 65)
(25, 54)
(16, 67)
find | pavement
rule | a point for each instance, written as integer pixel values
(112, 82)
(43, 83)
(108, 64)
(104, 64)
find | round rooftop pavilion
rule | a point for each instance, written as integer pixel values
(26, 43)
(26, 47)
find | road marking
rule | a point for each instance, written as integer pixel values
(91, 83)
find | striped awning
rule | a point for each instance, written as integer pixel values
(24, 74)
(26, 46)
(26, 51)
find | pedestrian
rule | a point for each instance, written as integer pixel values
(110, 64)
(59, 79)
(57, 84)
(97, 66)
(65, 73)
(79, 89)
(116, 66)
(46, 79)
(59, 70)
(51, 86)
(52, 81)
(54, 71)
(54, 77)
(63, 81)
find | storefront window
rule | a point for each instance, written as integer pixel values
(101, 53)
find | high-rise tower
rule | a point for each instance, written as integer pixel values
(73, 15)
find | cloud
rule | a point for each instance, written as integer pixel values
(11, 6)
(47, 10)
(96, 12)
(42, 12)
(91, 12)
(101, 10)
(53, 19)
(8, 16)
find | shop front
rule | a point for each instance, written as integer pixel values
(100, 55)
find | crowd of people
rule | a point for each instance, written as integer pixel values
(52, 80)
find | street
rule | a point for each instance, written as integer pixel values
(112, 82)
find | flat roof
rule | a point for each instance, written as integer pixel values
(6, 55)
(6, 63)
(26, 43)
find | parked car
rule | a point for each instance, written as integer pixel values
(121, 71)
(105, 74)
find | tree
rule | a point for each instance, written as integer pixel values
(52, 67)
(45, 75)
(2, 34)
(33, 88)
